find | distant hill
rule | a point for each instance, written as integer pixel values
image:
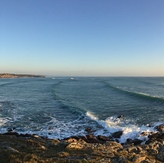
(8, 75)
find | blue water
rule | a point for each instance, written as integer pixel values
(63, 107)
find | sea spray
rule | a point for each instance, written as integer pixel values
(114, 124)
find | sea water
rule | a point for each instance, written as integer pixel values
(61, 107)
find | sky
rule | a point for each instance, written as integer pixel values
(82, 37)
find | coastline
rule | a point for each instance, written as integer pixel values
(8, 75)
(26, 148)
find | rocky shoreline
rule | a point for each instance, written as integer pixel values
(26, 148)
(7, 75)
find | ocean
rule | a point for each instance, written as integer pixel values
(62, 107)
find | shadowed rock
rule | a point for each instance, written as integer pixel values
(120, 116)
(135, 141)
(117, 134)
(104, 138)
(155, 136)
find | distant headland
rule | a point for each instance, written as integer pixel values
(8, 75)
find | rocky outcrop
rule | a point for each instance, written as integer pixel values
(27, 148)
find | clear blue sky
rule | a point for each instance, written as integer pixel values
(82, 37)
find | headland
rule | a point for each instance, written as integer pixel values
(8, 75)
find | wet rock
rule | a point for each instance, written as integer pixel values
(144, 134)
(92, 139)
(11, 129)
(104, 138)
(160, 128)
(117, 134)
(11, 133)
(120, 116)
(88, 129)
(25, 135)
(50, 128)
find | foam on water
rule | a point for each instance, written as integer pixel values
(60, 129)
(130, 130)
(91, 115)
(3, 121)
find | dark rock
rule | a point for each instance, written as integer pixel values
(103, 138)
(50, 128)
(155, 136)
(84, 138)
(25, 135)
(9, 129)
(120, 116)
(117, 134)
(135, 141)
(11, 133)
(88, 129)
(144, 134)
(91, 139)
(160, 155)
(160, 128)
(129, 140)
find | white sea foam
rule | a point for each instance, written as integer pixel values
(3, 121)
(130, 130)
(61, 129)
(58, 129)
(91, 115)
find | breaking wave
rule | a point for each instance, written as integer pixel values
(127, 126)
